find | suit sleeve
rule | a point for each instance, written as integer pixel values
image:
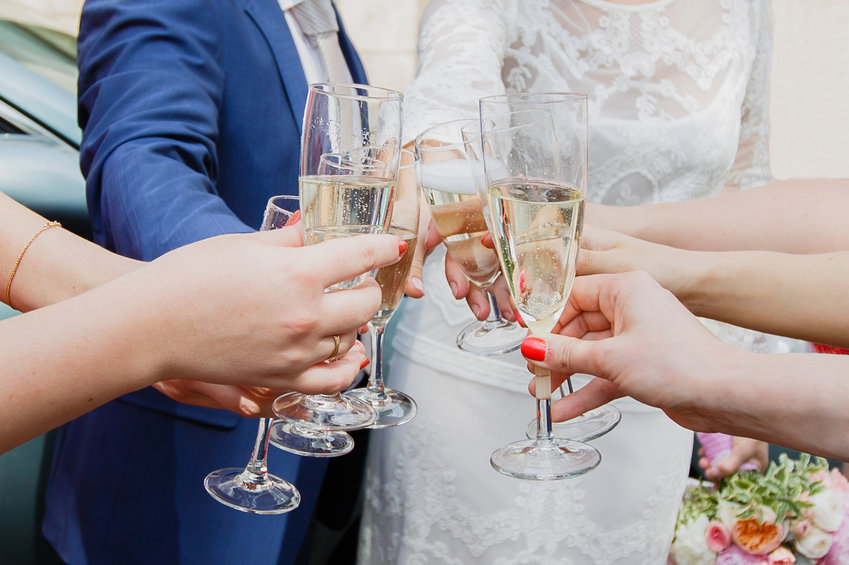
(150, 92)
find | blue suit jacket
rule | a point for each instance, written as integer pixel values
(191, 112)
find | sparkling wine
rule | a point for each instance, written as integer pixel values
(458, 215)
(537, 227)
(343, 206)
(345, 200)
(393, 277)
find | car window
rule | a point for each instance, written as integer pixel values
(50, 54)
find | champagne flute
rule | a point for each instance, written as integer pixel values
(448, 184)
(252, 488)
(536, 185)
(393, 407)
(350, 152)
(300, 438)
(593, 423)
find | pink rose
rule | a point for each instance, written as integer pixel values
(718, 536)
(800, 527)
(782, 556)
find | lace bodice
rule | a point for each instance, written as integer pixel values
(678, 90)
(678, 110)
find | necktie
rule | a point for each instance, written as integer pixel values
(317, 21)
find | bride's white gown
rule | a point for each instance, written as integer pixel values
(678, 110)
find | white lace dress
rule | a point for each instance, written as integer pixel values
(678, 110)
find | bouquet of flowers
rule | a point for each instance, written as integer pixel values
(794, 512)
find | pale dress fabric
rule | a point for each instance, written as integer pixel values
(678, 110)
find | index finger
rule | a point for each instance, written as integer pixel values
(345, 258)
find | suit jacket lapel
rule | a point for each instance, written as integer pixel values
(269, 18)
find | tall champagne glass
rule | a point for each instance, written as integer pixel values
(593, 423)
(448, 185)
(393, 407)
(252, 488)
(350, 152)
(536, 183)
(301, 438)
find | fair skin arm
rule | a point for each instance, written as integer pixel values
(151, 324)
(634, 335)
(791, 216)
(801, 296)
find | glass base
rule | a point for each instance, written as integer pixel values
(290, 437)
(335, 412)
(490, 339)
(236, 488)
(393, 408)
(544, 460)
(588, 426)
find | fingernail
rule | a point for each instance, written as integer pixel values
(476, 310)
(508, 315)
(453, 286)
(486, 240)
(417, 283)
(402, 247)
(533, 348)
(296, 217)
(520, 320)
(364, 364)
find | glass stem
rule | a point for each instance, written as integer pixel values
(255, 476)
(494, 319)
(375, 380)
(568, 385)
(543, 395)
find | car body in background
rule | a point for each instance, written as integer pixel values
(39, 135)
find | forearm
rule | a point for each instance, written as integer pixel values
(794, 400)
(793, 216)
(56, 265)
(801, 296)
(64, 360)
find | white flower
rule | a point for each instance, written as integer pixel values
(827, 510)
(815, 543)
(727, 512)
(690, 547)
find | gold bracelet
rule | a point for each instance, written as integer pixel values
(43, 229)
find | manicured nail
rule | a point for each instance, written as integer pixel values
(364, 364)
(453, 286)
(476, 310)
(296, 217)
(486, 240)
(402, 247)
(520, 320)
(533, 348)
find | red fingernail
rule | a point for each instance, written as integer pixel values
(486, 240)
(533, 348)
(364, 364)
(402, 247)
(296, 217)
(520, 320)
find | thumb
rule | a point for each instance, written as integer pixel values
(415, 281)
(561, 354)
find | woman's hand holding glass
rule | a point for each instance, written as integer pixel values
(350, 153)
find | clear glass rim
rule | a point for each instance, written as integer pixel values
(420, 137)
(533, 97)
(355, 91)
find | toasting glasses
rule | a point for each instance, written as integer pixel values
(392, 406)
(535, 165)
(350, 153)
(593, 423)
(448, 184)
(252, 488)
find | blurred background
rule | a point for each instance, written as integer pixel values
(810, 78)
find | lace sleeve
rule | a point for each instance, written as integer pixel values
(460, 51)
(751, 165)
